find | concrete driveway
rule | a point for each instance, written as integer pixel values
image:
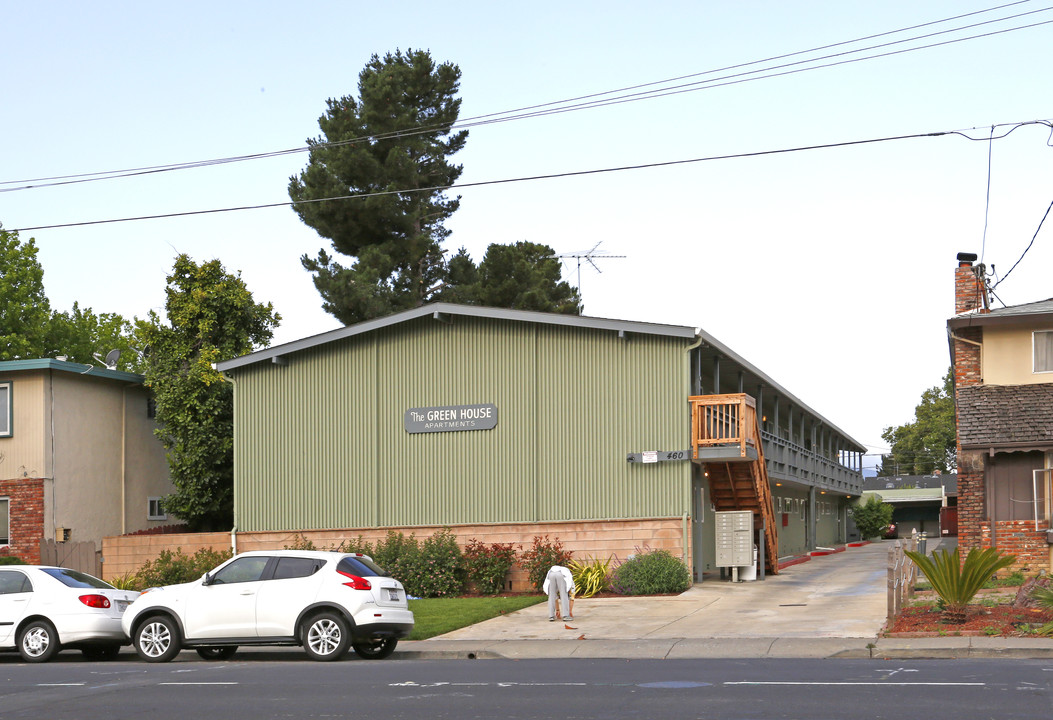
(832, 596)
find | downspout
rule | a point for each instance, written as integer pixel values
(124, 460)
(695, 388)
(234, 529)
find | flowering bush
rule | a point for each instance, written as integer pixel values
(543, 555)
(487, 567)
(439, 569)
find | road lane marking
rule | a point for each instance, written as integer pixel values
(80, 684)
(198, 683)
(809, 682)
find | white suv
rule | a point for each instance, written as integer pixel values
(324, 601)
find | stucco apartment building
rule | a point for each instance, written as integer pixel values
(1003, 375)
(78, 457)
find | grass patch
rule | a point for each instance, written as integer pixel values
(435, 616)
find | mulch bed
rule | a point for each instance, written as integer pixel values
(998, 620)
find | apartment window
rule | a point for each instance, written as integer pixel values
(1043, 351)
(154, 510)
(5, 521)
(5, 409)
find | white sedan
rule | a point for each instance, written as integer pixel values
(46, 609)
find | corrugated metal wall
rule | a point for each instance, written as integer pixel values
(320, 442)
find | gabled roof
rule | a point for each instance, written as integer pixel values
(441, 310)
(1018, 417)
(70, 367)
(1027, 314)
(445, 311)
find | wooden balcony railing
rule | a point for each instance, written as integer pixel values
(723, 420)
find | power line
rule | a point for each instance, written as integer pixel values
(551, 176)
(562, 106)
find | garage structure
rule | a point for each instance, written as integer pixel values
(611, 435)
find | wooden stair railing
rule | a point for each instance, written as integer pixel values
(730, 421)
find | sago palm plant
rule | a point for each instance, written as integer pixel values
(1044, 597)
(956, 582)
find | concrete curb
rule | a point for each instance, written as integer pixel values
(730, 648)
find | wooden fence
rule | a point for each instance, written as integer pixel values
(902, 575)
(75, 555)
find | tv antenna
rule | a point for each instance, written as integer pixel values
(588, 256)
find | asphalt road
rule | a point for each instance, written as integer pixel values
(286, 685)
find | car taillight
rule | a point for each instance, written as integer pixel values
(95, 601)
(356, 583)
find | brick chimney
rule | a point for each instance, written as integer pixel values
(970, 293)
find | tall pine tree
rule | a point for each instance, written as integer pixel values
(393, 143)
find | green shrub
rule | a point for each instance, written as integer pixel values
(651, 572)
(440, 571)
(11, 560)
(872, 517)
(956, 582)
(541, 556)
(591, 577)
(431, 568)
(358, 545)
(171, 568)
(487, 566)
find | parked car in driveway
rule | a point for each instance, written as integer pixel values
(46, 609)
(326, 602)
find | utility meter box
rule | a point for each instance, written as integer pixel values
(734, 538)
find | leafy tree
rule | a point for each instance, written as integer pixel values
(24, 308)
(524, 276)
(392, 143)
(872, 517)
(929, 442)
(211, 317)
(80, 335)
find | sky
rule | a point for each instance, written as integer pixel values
(829, 269)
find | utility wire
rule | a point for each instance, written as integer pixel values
(562, 106)
(551, 176)
(1043, 220)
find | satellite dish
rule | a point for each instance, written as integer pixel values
(111, 359)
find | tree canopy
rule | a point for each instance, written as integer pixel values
(24, 308)
(523, 276)
(211, 316)
(928, 443)
(30, 329)
(392, 145)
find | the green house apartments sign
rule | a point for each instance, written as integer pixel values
(451, 418)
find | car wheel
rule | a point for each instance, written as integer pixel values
(38, 642)
(101, 652)
(375, 649)
(217, 653)
(157, 639)
(325, 637)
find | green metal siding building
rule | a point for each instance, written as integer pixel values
(330, 430)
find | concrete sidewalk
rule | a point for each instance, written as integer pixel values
(831, 606)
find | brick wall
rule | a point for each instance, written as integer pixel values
(26, 508)
(968, 288)
(127, 553)
(1019, 537)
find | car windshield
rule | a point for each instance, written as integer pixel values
(361, 566)
(77, 579)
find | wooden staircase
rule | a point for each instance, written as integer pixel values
(725, 437)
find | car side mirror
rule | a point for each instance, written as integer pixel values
(206, 579)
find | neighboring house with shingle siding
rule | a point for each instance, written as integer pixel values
(1003, 371)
